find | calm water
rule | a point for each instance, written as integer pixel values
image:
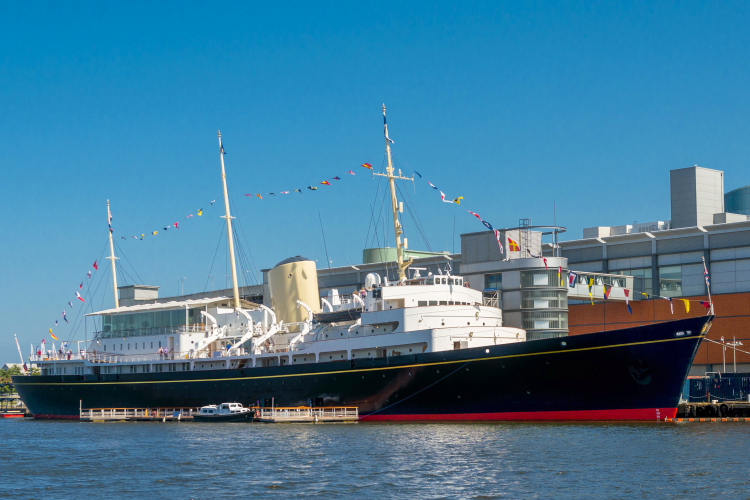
(47, 459)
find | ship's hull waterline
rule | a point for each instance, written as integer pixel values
(629, 374)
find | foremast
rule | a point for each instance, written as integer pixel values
(112, 256)
(395, 205)
(230, 233)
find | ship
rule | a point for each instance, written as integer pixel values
(415, 348)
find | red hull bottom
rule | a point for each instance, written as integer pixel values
(639, 414)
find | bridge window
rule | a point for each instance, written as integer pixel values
(493, 281)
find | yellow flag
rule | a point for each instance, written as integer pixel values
(200, 212)
(50, 330)
(155, 233)
(458, 200)
(687, 304)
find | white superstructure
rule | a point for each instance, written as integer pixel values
(408, 316)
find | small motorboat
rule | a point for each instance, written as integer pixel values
(225, 412)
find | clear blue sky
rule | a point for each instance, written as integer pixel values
(509, 104)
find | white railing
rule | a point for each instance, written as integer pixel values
(133, 413)
(305, 413)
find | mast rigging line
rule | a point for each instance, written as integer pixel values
(375, 198)
(328, 261)
(411, 208)
(120, 252)
(254, 268)
(221, 233)
(76, 325)
(124, 271)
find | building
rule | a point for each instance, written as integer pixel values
(669, 263)
(738, 201)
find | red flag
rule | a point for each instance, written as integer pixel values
(96, 264)
(326, 183)
(367, 165)
(80, 298)
(545, 262)
(176, 224)
(705, 304)
(81, 286)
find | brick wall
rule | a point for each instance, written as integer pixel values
(732, 319)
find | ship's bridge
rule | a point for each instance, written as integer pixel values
(165, 318)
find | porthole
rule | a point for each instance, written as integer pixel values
(409, 350)
(487, 351)
(330, 357)
(363, 377)
(438, 371)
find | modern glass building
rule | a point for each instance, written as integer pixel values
(738, 201)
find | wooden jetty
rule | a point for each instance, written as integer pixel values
(307, 414)
(137, 414)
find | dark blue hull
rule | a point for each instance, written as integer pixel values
(631, 374)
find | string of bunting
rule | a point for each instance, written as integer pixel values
(607, 292)
(175, 225)
(311, 187)
(41, 348)
(513, 246)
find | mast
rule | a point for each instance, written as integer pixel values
(396, 206)
(112, 256)
(230, 233)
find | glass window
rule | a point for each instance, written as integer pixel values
(540, 278)
(545, 320)
(642, 279)
(670, 281)
(543, 299)
(178, 318)
(493, 281)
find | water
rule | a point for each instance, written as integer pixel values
(52, 459)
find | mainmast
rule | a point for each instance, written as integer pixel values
(397, 207)
(229, 218)
(112, 255)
